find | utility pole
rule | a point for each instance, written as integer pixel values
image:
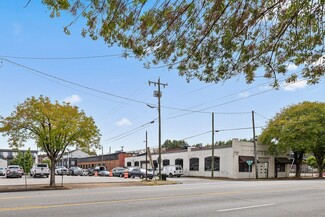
(146, 155)
(158, 95)
(212, 154)
(255, 151)
(102, 155)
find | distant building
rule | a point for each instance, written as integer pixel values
(9, 154)
(108, 160)
(70, 158)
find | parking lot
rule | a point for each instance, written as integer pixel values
(58, 179)
(76, 179)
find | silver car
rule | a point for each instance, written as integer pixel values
(2, 171)
(14, 171)
(61, 170)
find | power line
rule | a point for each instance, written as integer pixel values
(235, 129)
(262, 116)
(200, 134)
(123, 135)
(66, 58)
(235, 100)
(93, 89)
(73, 83)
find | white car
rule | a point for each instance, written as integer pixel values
(61, 170)
(40, 169)
(172, 170)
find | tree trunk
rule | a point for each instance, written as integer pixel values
(320, 171)
(320, 165)
(52, 173)
(298, 160)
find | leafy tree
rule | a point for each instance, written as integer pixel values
(222, 143)
(175, 144)
(24, 160)
(53, 126)
(207, 39)
(311, 161)
(299, 128)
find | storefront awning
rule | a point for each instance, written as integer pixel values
(282, 160)
(243, 159)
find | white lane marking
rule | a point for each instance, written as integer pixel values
(246, 207)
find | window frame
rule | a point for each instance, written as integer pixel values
(192, 165)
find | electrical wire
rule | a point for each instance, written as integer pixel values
(74, 83)
(262, 116)
(232, 101)
(130, 132)
(100, 91)
(63, 58)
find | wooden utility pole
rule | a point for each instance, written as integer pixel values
(212, 154)
(146, 155)
(255, 150)
(158, 95)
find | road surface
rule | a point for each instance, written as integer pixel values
(194, 197)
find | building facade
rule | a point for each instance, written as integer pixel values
(230, 161)
(108, 160)
(9, 154)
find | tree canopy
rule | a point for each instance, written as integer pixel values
(299, 128)
(53, 127)
(207, 39)
(174, 144)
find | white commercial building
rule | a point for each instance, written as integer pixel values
(230, 161)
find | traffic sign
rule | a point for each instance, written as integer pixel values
(249, 162)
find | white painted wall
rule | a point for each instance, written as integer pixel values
(3, 163)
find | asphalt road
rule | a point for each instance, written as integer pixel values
(194, 197)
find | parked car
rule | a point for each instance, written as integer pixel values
(134, 172)
(100, 168)
(91, 171)
(149, 173)
(103, 173)
(97, 169)
(75, 171)
(13, 171)
(118, 171)
(172, 170)
(2, 171)
(22, 171)
(40, 169)
(85, 172)
(61, 170)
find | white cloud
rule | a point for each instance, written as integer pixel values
(17, 29)
(243, 94)
(123, 122)
(292, 67)
(296, 85)
(74, 99)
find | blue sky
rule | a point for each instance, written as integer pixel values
(30, 32)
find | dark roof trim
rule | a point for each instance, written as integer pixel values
(243, 159)
(282, 160)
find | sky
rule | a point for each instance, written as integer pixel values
(41, 60)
